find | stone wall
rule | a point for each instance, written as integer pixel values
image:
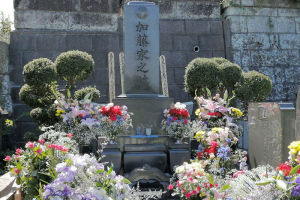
(264, 35)
(45, 28)
(5, 98)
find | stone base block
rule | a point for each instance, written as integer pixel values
(113, 157)
(148, 110)
(178, 156)
(133, 160)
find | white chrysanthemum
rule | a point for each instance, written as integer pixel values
(179, 105)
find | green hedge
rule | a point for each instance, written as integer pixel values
(201, 73)
(39, 72)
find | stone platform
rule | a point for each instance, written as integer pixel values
(141, 157)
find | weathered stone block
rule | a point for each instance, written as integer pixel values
(217, 53)
(171, 26)
(238, 24)
(79, 42)
(289, 41)
(3, 57)
(250, 11)
(275, 57)
(52, 41)
(93, 22)
(171, 75)
(5, 85)
(202, 53)
(250, 41)
(197, 9)
(260, 24)
(216, 27)
(185, 43)
(61, 5)
(100, 59)
(285, 25)
(197, 27)
(175, 58)
(94, 5)
(179, 75)
(212, 42)
(247, 2)
(165, 43)
(22, 40)
(41, 20)
(106, 42)
(165, 7)
(287, 12)
(297, 20)
(236, 57)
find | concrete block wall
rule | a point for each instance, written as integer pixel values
(264, 35)
(45, 28)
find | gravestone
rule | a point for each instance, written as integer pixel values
(141, 40)
(142, 93)
(271, 130)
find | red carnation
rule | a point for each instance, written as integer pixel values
(185, 121)
(285, 168)
(113, 118)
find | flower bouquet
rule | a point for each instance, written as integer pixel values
(83, 177)
(33, 166)
(81, 118)
(176, 123)
(194, 183)
(217, 133)
(114, 120)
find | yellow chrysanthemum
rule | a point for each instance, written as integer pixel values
(197, 112)
(9, 122)
(59, 112)
(216, 129)
(199, 135)
(236, 112)
(92, 112)
(294, 149)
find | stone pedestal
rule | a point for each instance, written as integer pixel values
(147, 109)
(178, 154)
(113, 156)
(137, 156)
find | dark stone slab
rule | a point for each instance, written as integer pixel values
(171, 26)
(179, 146)
(133, 160)
(94, 5)
(144, 147)
(148, 112)
(178, 156)
(197, 27)
(113, 157)
(79, 42)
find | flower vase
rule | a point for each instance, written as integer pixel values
(112, 142)
(179, 141)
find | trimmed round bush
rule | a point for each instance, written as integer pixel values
(201, 73)
(39, 115)
(220, 60)
(92, 92)
(39, 71)
(74, 66)
(36, 97)
(229, 74)
(44, 116)
(254, 87)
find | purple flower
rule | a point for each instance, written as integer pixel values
(224, 152)
(296, 190)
